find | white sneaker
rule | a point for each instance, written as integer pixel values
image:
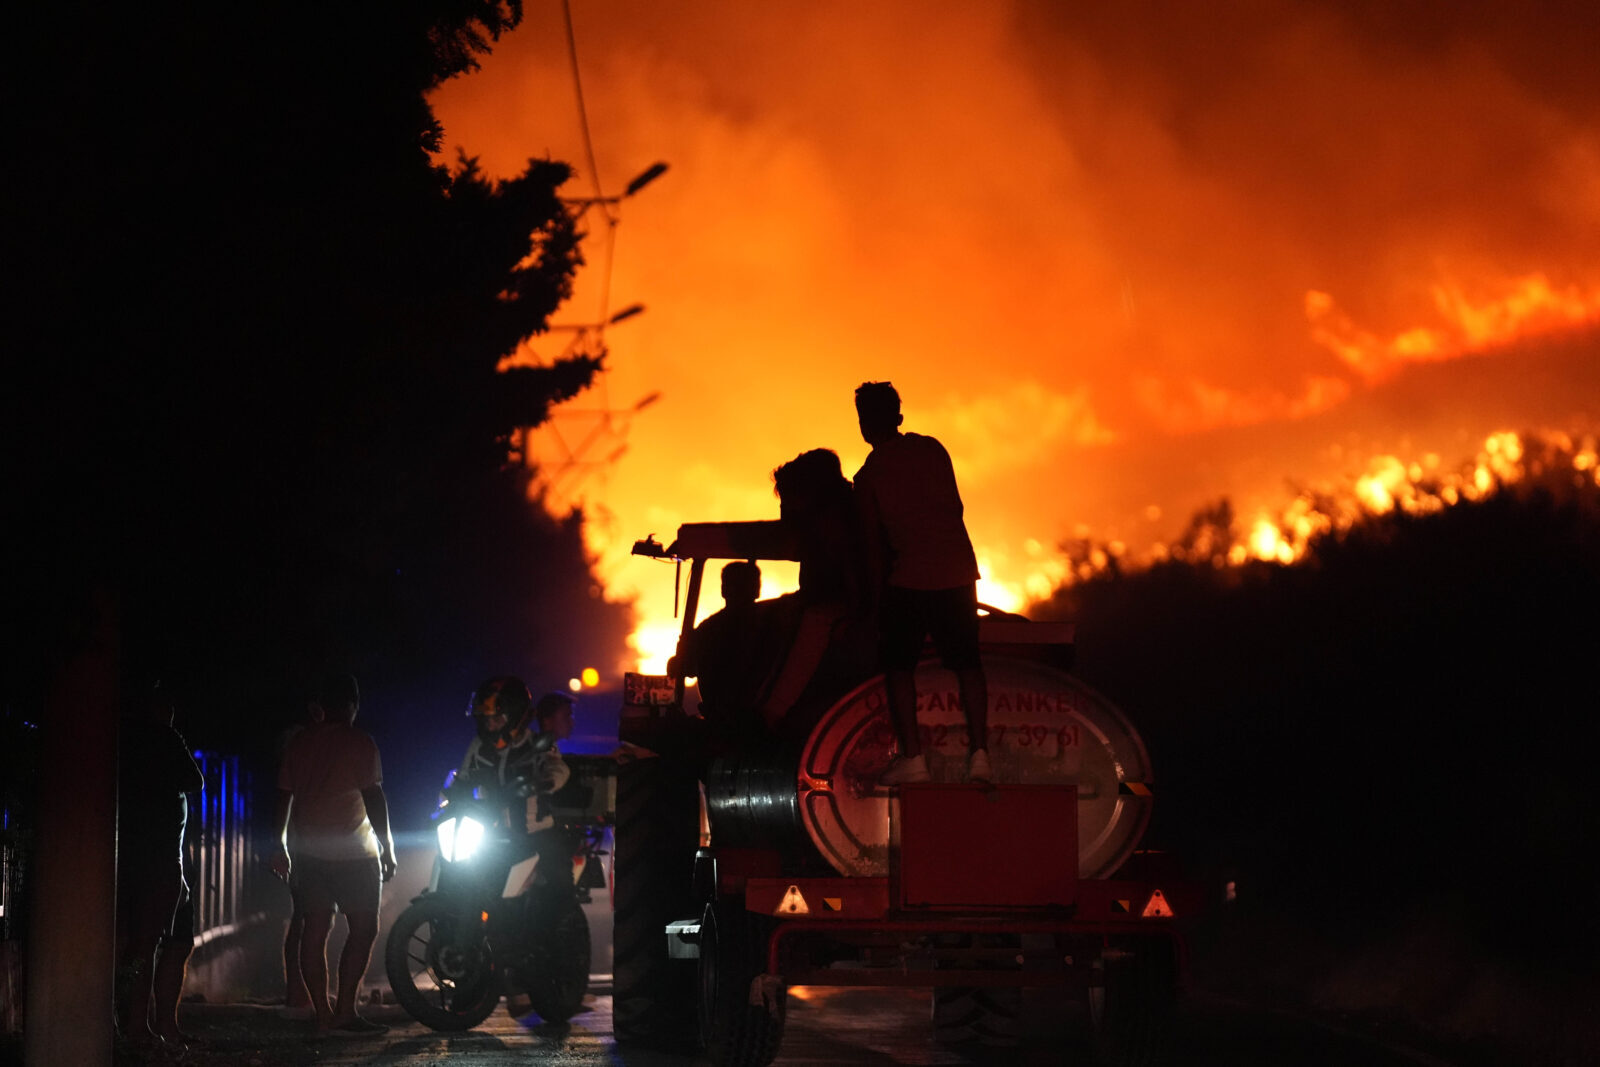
(904, 771)
(978, 766)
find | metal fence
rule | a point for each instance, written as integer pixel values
(220, 846)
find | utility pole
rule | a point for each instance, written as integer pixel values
(72, 930)
(561, 473)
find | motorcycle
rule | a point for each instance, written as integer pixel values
(495, 922)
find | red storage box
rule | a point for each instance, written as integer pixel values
(975, 847)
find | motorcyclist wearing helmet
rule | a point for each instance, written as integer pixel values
(508, 756)
(514, 759)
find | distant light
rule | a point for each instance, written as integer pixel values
(574, 684)
(591, 677)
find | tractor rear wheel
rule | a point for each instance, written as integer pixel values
(740, 1026)
(657, 833)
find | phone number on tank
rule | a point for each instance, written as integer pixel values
(1001, 735)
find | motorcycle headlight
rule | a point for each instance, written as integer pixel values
(459, 838)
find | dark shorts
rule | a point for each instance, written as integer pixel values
(949, 616)
(337, 885)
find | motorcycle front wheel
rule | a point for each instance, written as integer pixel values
(440, 966)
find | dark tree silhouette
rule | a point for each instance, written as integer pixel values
(256, 392)
(1398, 728)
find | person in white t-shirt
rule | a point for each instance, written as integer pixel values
(330, 789)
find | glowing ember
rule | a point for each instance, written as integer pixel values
(1267, 543)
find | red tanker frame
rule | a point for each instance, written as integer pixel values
(815, 875)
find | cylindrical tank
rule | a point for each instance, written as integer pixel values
(815, 791)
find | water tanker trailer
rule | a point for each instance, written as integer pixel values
(756, 849)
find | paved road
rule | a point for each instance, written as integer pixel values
(826, 1027)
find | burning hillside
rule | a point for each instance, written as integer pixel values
(1121, 262)
(1419, 486)
(1384, 744)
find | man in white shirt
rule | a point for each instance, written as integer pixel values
(330, 787)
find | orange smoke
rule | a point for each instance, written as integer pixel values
(1524, 308)
(1117, 275)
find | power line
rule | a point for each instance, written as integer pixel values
(577, 88)
(571, 465)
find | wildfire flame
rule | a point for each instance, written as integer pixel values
(1108, 272)
(1418, 487)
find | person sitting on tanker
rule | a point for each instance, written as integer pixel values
(724, 651)
(816, 504)
(922, 572)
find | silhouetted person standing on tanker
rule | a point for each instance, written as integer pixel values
(922, 575)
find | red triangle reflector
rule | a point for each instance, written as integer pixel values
(1157, 908)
